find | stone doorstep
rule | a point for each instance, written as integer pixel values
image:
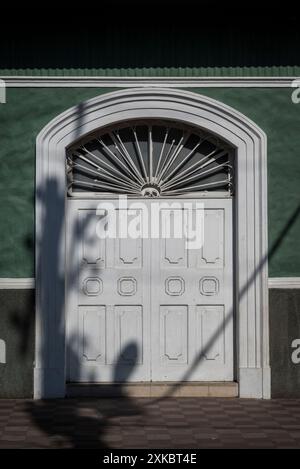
(154, 389)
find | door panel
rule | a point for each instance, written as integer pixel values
(150, 309)
(92, 322)
(173, 334)
(192, 303)
(210, 323)
(129, 330)
(108, 301)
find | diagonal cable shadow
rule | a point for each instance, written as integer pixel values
(99, 426)
(206, 349)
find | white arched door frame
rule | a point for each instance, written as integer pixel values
(251, 283)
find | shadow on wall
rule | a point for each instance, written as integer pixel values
(88, 417)
(81, 423)
(85, 423)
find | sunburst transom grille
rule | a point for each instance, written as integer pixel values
(150, 159)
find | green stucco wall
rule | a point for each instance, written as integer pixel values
(28, 110)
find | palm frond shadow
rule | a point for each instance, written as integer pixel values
(85, 418)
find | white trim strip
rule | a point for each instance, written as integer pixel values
(16, 283)
(284, 282)
(169, 82)
(27, 283)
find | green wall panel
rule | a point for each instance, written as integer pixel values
(28, 110)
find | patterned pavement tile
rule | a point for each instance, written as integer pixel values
(150, 423)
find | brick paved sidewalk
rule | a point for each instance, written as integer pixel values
(148, 423)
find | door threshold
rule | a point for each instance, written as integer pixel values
(154, 389)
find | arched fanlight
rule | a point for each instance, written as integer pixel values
(150, 159)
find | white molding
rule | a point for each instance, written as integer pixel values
(251, 223)
(28, 283)
(284, 282)
(16, 283)
(128, 82)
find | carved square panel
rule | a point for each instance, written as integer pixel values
(174, 286)
(127, 286)
(92, 286)
(209, 286)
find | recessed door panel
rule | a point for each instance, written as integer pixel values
(173, 334)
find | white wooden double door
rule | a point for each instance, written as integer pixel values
(149, 309)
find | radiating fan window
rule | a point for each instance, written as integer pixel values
(150, 159)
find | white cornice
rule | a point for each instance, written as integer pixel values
(121, 82)
(284, 282)
(16, 283)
